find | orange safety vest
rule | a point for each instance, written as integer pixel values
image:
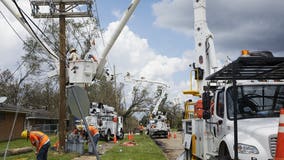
(93, 130)
(38, 139)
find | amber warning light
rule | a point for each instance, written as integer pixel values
(245, 52)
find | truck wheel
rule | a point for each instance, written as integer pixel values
(224, 153)
(108, 136)
(188, 154)
(121, 134)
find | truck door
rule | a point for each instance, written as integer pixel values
(119, 124)
(218, 129)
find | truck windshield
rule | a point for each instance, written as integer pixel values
(256, 101)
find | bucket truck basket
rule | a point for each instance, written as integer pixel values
(81, 71)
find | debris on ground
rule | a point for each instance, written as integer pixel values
(129, 144)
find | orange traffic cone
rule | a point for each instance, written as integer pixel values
(175, 135)
(129, 136)
(132, 136)
(280, 140)
(114, 139)
(169, 135)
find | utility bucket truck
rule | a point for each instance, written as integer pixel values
(242, 110)
(157, 123)
(235, 113)
(106, 120)
(157, 126)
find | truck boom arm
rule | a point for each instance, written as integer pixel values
(118, 30)
(155, 110)
(204, 42)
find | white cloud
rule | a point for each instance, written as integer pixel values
(11, 44)
(242, 24)
(131, 53)
(174, 15)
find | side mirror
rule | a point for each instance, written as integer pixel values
(220, 122)
(206, 100)
(206, 114)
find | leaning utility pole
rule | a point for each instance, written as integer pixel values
(62, 9)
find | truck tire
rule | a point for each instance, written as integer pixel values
(121, 134)
(108, 136)
(188, 154)
(224, 153)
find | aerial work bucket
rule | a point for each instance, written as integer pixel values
(82, 71)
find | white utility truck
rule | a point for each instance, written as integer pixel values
(245, 112)
(157, 123)
(235, 111)
(106, 120)
(158, 126)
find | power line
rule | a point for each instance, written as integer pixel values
(98, 22)
(12, 27)
(31, 29)
(37, 27)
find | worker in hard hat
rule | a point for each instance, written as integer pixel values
(141, 128)
(73, 55)
(95, 135)
(40, 141)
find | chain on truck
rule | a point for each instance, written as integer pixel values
(235, 110)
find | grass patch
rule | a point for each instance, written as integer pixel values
(146, 149)
(52, 155)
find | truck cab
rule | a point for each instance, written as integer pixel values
(258, 106)
(241, 106)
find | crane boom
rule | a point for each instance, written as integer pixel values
(163, 85)
(204, 44)
(155, 110)
(115, 35)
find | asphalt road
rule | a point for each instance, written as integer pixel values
(172, 147)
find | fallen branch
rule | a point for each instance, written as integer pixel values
(16, 151)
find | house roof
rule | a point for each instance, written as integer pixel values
(13, 108)
(41, 114)
(30, 113)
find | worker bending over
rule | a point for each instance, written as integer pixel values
(95, 135)
(40, 141)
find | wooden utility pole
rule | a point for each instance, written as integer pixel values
(62, 79)
(62, 9)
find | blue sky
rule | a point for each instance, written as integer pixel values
(158, 41)
(163, 39)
